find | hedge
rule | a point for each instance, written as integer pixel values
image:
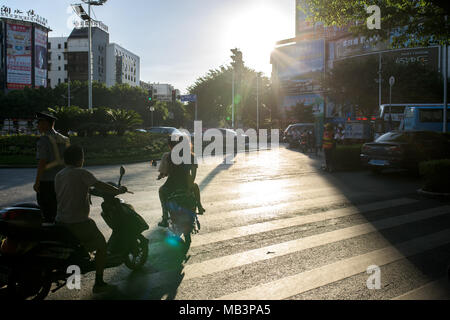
(436, 175)
(112, 149)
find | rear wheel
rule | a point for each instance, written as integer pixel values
(34, 285)
(137, 257)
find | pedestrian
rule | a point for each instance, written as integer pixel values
(50, 150)
(329, 144)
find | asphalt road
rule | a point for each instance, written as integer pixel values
(277, 227)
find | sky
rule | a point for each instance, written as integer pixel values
(178, 41)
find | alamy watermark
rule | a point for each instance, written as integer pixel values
(74, 278)
(215, 144)
(374, 21)
(374, 281)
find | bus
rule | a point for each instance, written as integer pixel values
(425, 118)
(391, 120)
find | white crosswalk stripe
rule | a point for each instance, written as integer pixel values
(293, 285)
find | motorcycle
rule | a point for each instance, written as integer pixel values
(183, 219)
(36, 256)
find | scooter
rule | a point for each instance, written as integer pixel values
(183, 219)
(35, 257)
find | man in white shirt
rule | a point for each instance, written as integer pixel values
(72, 192)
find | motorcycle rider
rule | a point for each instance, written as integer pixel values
(72, 192)
(179, 177)
(50, 148)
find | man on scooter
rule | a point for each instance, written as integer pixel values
(72, 192)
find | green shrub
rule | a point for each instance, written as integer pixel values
(436, 175)
(347, 157)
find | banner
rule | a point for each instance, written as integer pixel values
(40, 58)
(18, 60)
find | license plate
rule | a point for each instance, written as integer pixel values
(379, 162)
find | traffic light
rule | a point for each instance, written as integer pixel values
(150, 95)
(174, 96)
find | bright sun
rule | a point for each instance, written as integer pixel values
(255, 31)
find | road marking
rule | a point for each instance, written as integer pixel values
(248, 257)
(436, 290)
(203, 239)
(276, 210)
(309, 280)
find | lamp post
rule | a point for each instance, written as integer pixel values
(152, 109)
(91, 3)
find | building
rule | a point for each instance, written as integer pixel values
(161, 92)
(122, 66)
(299, 63)
(23, 49)
(77, 54)
(57, 61)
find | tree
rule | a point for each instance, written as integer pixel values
(352, 84)
(123, 120)
(213, 91)
(411, 23)
(302, 113)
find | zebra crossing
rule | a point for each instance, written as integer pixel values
(282, 237)
(286, 287)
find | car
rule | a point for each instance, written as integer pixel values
(404, 150)
(141, 130)
(165, 130)
(289, 134)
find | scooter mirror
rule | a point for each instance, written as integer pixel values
(122, 171)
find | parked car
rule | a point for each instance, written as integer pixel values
(165, 130)
(405, 150)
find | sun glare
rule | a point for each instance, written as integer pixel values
(255, 31)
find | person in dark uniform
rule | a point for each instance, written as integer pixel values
(50, 150)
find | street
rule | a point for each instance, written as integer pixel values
(277, 227)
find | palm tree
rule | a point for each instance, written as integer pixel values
(123, 120)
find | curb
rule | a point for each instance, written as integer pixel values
(433, 194)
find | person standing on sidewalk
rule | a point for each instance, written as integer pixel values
(50, 151)
(329, 145)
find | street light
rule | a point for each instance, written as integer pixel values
(80, 11)
(152, 109)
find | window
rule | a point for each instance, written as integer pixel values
(65, 55)
(65, 67)
(432, 115)
(59, 57)
(49, 56)
(49, 82)
(49, 45)
(49, 67)
(59, 81)
(65, 80)
(65, 45)
(59, 68)
(59, 45)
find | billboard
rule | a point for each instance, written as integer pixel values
(18, 56)
(313, 99)
(40, 58)
(301, 64)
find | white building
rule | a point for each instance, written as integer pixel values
(57, 60)
(122, 66)
(161, 91)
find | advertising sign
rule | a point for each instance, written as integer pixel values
(314, 100)
(425, 56)
(40, 58)
(18, 60)
(303, 62)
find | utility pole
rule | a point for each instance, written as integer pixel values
(379, 80)
(232, 101)
(257, 102)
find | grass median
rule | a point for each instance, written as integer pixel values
(133, 147)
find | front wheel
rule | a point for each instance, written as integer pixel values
(138, 254)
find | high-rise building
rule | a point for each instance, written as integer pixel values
(122, 67)
(57, 61)
(78, 48)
